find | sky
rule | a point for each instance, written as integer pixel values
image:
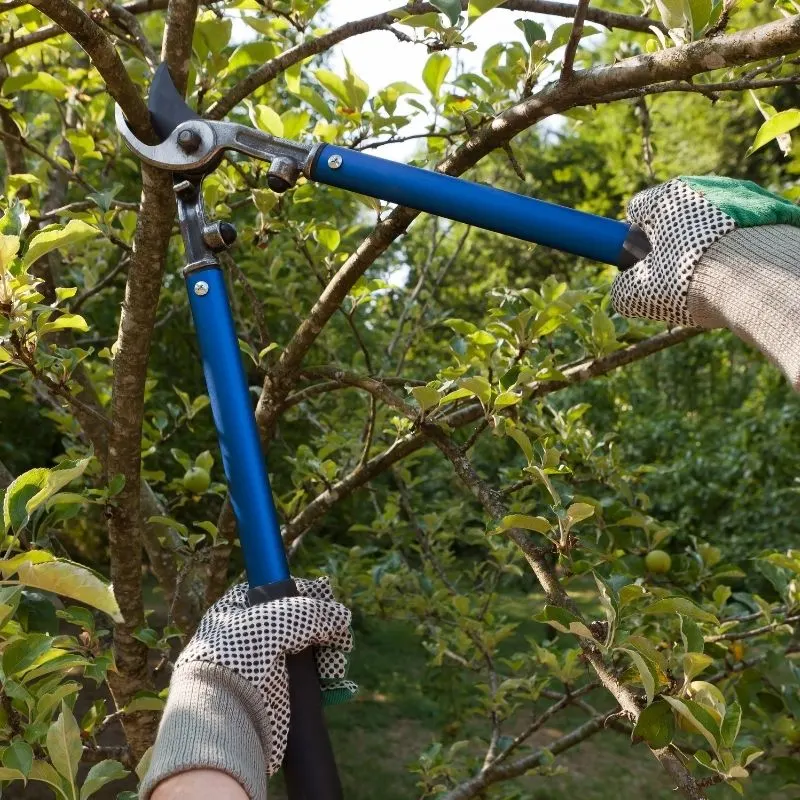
(379, 58)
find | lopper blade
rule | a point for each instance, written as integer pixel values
(167, 108)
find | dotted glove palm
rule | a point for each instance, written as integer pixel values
(724, 254)
(228, 705)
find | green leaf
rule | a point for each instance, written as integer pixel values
(144, 763)
(698, 717)
(426, 396)
(44, 772)
(145, 701)
(72, 580)
(22, 653)
(99, 775)
(781, 123)
(63, 322)
(538, 524)
(673, 13)
(478, 8)
(329, 238)
(435, 71)
(564, 621)
(450, 8)
(478, 386)
(334, 84)
(40, 82)
(656, 725)
(700, 12)
(694, 664)
(205, 460)
(521, 438)
(266, 119)
(730, 725)
(49, 701)
(33, 488)
(64, 745)
(458, 394)
(19, 756)
(533, 31)
(678, 605)
(506, 399)
(691, 635)
(647, 672)
(8, 774)
(603, 332)
(57, 236)
(578, 512)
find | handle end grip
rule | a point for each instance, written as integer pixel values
(635, 247)
(309, 764)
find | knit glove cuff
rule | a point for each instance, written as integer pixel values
(214, 719)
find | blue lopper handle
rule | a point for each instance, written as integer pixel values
(565, 229)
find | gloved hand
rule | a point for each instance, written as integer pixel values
(725, 253)
(228, 705)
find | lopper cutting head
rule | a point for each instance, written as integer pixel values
(191, 145)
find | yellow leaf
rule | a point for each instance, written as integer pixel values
(9, 247)
(71, 580)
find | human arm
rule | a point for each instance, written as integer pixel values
(726, 253)
(228, 706)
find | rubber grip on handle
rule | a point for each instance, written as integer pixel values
(635, 247)
(309, 764)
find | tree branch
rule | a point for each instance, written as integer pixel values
(379, 22)
(104, 57)
(495, 774)
(468, 413)
(567, 69)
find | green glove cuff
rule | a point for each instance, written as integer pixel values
(744, 201)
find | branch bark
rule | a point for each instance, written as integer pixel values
(125, 443)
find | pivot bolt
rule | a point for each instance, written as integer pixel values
(201, 288)
(334, 162)
(189, 141)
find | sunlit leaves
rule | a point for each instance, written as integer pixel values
(33, 488)
(782, 123)
(57, 236)
(435, 72)
(266, 119)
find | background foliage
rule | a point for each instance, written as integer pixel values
(475, 448)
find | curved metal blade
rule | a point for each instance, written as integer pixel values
(167, 108)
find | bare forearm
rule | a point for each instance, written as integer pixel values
(199, 783)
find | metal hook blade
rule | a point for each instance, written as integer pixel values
(167, 107)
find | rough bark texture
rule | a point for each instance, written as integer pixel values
(124, 450)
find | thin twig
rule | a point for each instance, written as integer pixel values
(568, 67)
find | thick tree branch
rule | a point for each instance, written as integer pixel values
(176, 49)
(153, 232)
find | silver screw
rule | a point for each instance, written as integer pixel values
(201, 288)
(334, 162)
